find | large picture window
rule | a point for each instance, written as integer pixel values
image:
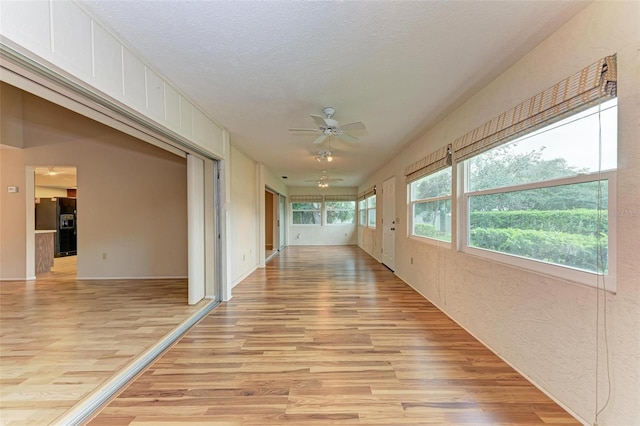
(340, 212)
(430, 199)
(323, 210)
(306, 213)
(545, 197)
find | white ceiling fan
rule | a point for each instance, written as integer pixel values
(323, 181)
(327, 127)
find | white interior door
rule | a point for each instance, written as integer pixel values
(389, 223)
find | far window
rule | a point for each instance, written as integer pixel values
(340, 212)
(431, 206)
(306, 213)
(371, 211)
(362, 212)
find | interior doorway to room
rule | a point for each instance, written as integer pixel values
(55, 220)
(271, 234)
(274, 222)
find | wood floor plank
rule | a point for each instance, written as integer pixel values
(61, 338)
(326, 335)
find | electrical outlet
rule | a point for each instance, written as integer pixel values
(104, 256)
(244, 257)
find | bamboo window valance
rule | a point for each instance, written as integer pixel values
(305, 198)
(339, 197)
(367, 193)
(433, 162)
(586, 88)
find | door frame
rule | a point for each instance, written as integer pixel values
(389, 221)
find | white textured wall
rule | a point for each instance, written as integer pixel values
(243, 213)
(325, 235)
(545, 327)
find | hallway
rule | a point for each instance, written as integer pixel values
(327, 335)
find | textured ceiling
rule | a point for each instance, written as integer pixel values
(259, 68)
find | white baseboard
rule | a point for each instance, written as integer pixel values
(19, 279)
(243, 276)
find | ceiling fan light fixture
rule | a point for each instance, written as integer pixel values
(324, 156)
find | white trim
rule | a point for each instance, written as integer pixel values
(431, 241)
(567, 273)
(581, 178)
(413, 202)
(242, 278)
(85, 409)
(196, 228)
(50, 90)
(29, 190)
(33, 278)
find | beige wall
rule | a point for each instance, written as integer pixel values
(132, 204)
(544, 326)
(47, 192)
(243, 239)
(13, 206)
(13, 215)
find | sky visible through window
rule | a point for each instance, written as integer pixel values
(561, 139)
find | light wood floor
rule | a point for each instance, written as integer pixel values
(61, 338)
(326, 335)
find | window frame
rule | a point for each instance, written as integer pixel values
(587, 278)
(362, 208)
(369, 208)
(412, 203)
(326, 211)
(297, 210)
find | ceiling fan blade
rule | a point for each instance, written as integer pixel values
(304, 130)
(347, 138)
(319, 120)
(334, 180)
(358, 125)
(320, 138)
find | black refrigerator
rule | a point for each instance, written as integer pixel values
(59, 214)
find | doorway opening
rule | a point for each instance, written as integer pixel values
(274, 223)
(56, 221)
(389, 223)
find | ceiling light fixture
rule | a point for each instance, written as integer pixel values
(51, 172)
(324, 156)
